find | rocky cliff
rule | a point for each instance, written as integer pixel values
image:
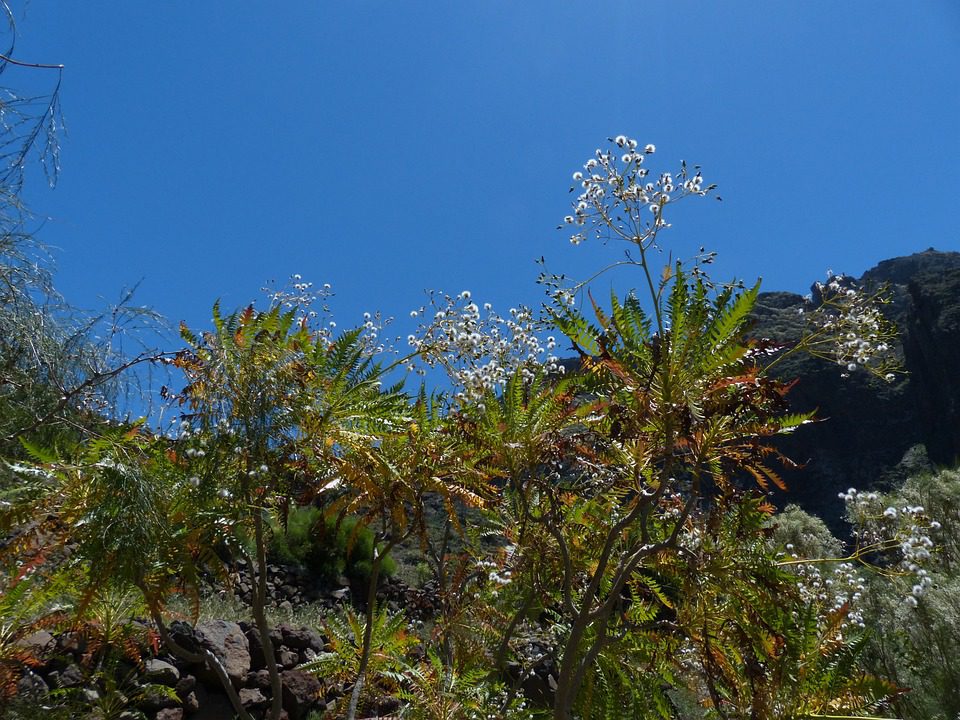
(872, 434)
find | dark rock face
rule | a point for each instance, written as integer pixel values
(932, 349)
(211, 705)
(867, 426)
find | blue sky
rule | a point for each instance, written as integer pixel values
(389, 147)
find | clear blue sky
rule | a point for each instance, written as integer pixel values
(388, 147)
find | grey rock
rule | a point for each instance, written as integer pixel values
(190, 703)
(70, 676)
(170, 714)
(186, 685)
(228, 643)
(301, 638)
(38, 644)
(31, 684)
(160, 672)
(259, 679)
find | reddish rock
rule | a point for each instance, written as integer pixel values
(301, 692)
(287, 658)
(301, 638)
(253, 699)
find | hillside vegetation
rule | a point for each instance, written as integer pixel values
(591, 543)
(473, 526)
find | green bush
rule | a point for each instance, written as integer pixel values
(315, 543)
(802, 534)
(297, 543)
(917, 647)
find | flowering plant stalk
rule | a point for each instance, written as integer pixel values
(622, 486)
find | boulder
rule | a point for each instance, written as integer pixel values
(228, 643)
(301, 692)
(287, 658)
(38, 644)
(301, 638)
(253, 699)
(160, 672)
(184, 635)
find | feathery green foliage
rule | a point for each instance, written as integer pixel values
(389, 642)
(614, 554)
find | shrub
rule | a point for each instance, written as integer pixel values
(803, 534)
(315, 543)
(915, 623)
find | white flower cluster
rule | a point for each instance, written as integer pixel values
(372, 330)
(832, 589)
(901, 532)
(621, 198)
(300, 294)
(313, 310)
(847, 327)
(496, 573)
(478, 348)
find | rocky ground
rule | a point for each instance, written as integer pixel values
(164, 687)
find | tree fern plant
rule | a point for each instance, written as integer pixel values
(272, 408)
(377, 643)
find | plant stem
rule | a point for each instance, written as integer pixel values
(259, 615)
(368, 630)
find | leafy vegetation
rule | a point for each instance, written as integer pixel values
(314, 542)
(600, 541)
